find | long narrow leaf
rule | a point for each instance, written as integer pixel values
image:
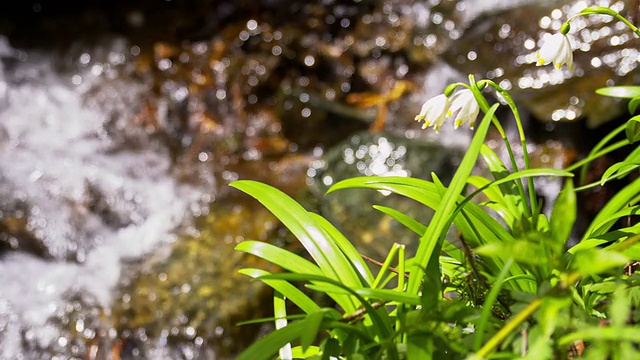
(431, 241)
(510, 191)
(279, 256)
(280, 313)
(267, 347)
(423, 192)
(347, 248)
(311, 235)
(627, 196)
(291, 292)
(415, 226)
(382, 326)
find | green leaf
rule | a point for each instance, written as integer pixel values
(347, 248)
(624, 212)
(617, 171)
(280, 313)
(633, 104)
(632, 130)
(330, 349)
(279, 256)
(625, 92)
(620, 307)
(497, 201)
(420, 346)
(564, 214)
(315, 239)
(431, 241)
(310, 332)
(488, 304)
(291, 292)
(593, 154)
(298, 353)
(415, 226)
(411, 223)
(268, 346)
(522, 251)
(510, 191)
(596, 261)
(549, 313)
(627, 196)
(425, 192)
(381, 325)
(598, 333)
(390, 295)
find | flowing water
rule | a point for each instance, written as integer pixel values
(83, 203)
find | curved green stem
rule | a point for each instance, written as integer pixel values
(569, 280)
(523, 141)
(606, 11)
(510, 327)
(484, 106)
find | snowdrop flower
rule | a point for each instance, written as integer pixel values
(556, 49)
(465, 107)
(434, 112)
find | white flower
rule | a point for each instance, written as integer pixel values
(465, 107)
(556, 49)
(434, 112)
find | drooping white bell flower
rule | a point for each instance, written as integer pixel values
(434, 112)
(465, 108)
(556, 49)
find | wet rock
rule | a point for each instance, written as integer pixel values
(502, 46)
(382, 154)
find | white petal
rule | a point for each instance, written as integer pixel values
(464, 103)
(434, 111)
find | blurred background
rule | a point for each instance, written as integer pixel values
(122, 123)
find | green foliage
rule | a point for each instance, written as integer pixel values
(507, 287)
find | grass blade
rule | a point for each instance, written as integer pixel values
(291, 292)
(278, 256)
(308, 231)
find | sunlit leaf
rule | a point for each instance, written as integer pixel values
(509, 191)
(291, 292)
(315, 239)
(619, 309)
(633, 104)
(431, 241)
(298, 353)
(522, 251)
(596, 261)
(347, 248)
(268, 346)
(618, 170)
(623, 198)
(279, 256)
(330, 349)
(625, 92)
(599, 333)
(411, 223)
(633, 129)
(382, 325)
(564, 214)
(310, 332)
(548, 315)
(280, 313)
